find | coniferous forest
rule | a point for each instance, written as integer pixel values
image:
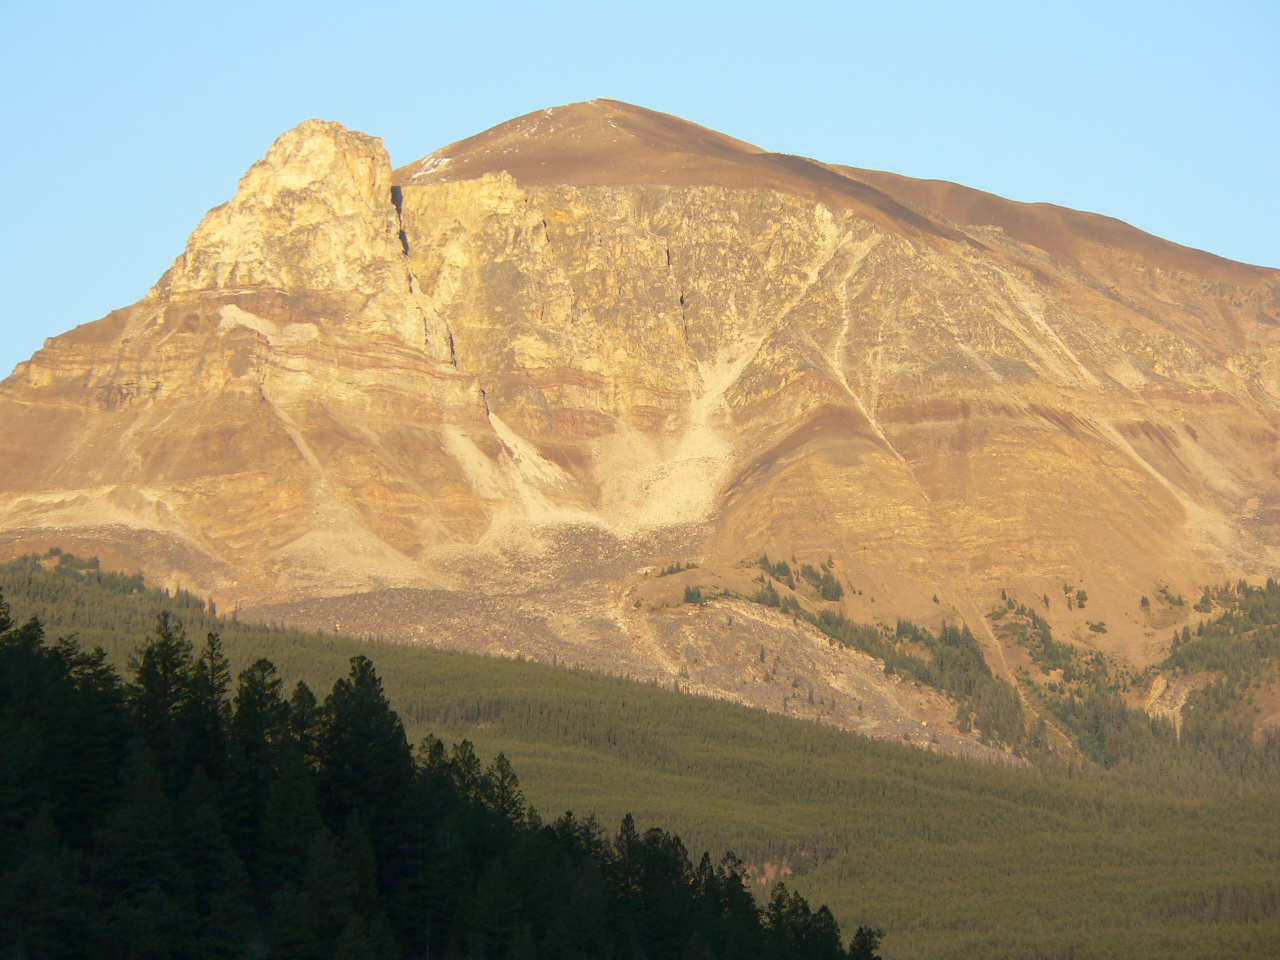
(180, 814)
(1138, 844)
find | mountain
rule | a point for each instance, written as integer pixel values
(487, 399)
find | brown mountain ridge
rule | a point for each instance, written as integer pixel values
(482, 400)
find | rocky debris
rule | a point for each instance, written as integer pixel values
(1169, 694)
(726, 649)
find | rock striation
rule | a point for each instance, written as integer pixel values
(522, 373)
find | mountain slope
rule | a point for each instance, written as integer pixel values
(506, 385)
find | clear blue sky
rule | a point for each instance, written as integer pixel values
(124, 122)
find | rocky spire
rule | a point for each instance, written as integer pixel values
(315, 215)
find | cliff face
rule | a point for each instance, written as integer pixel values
(596, 338)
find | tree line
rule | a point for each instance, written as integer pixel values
(175, 814)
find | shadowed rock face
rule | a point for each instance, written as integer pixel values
(596, 337)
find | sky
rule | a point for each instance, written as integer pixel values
(124, 122)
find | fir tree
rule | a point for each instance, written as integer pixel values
(159, 695)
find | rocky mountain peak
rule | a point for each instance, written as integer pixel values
(315, 214)
(513, 379)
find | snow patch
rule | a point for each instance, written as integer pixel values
(433, 165)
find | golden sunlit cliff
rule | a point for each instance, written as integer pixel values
(481, 400)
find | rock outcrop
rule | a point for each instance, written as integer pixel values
(536, 363)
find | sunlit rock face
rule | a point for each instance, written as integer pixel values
(598, 338)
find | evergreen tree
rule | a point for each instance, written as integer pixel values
(145, 903)
(465, 767)
(220, 884)
(63, 735)
(308, 920)
(159, 695)
(366, 768)
(258, 726)
(289, 824)
(627, 866)
(44, 910)
(865, 943)
(501, 791)
(208, 711)
(366, 763)
(665, 914)
(304, 720)
(370, 915)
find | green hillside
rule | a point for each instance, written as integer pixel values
(1167, 854)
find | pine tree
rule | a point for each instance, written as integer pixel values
(304, 720)
(290, 822)
(257, 727)
(366, 768)
(366, 761)
(159, 695)
(207, 709)
(309, 919)
(145, 902)
(501, 791)
(44, 908)
(865, 942)
(366, 896)
(63, 733)
(221, 884)
(627, 864)
(439, 856)
(465, 768)
(666, 909)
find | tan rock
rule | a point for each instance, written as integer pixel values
(539, 360)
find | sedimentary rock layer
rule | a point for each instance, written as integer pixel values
(601, 325)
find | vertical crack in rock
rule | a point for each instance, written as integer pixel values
(397, 200)
(435, 335)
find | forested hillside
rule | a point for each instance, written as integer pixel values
(1080, 704)
(1164, 852)
(166, 817)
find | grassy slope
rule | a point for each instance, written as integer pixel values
(952, 858)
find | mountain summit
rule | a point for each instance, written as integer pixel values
(604, 143)
(485, 399)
